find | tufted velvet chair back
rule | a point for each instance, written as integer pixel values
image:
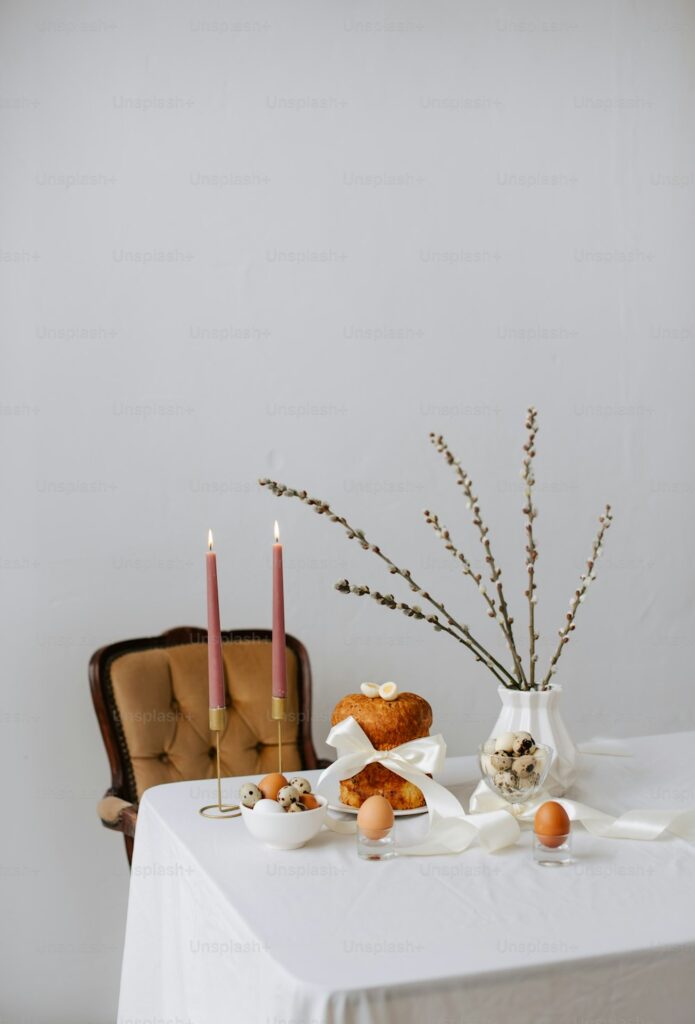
(151, 699)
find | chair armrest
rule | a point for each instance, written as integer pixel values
(117, 814)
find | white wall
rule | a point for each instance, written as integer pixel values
(362, 222)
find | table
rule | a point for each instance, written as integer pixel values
(222, 930)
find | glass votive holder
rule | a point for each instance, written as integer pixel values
(552, 851)
(373, 845)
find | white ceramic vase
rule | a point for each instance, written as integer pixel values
(538, 712)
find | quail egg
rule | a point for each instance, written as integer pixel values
(288, 795)
(524, 743)
(525, 765)
(250, 794)
(527, 781)
(500, 762)
(303, 785)
(505, 781)
(505, 742)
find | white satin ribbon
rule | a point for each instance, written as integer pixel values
(631, 825)
(607, 747)
(492, 819)
(451, 830)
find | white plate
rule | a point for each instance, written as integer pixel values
(336, 805)
(332, 792)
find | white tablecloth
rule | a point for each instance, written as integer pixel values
(222, 930)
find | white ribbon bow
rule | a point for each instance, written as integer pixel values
(451, 830)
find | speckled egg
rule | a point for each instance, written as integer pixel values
(303, 785)
(527, 781)
(500, 762)
(505, 742)
(525, 765)
(249, 794)
(288, 795)
(506, 782)
(524, 743)
(295, 807)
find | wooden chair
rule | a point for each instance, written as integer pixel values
(151, 699)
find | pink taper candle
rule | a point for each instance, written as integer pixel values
(215, 669)
(279, 668)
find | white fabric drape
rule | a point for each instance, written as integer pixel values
(222, 930)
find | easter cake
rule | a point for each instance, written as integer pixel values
(388, 718)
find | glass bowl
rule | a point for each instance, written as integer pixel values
(512, 787)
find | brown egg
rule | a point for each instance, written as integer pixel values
(309, 801)
(271, 785)
(551, 824)
(375, 817)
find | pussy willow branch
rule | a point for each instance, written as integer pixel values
(433, 519)
(605, 520)
(531, 550)
(415, 612)
(323, 508)
(464, 481)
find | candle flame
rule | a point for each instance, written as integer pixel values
(276, 532)
(209, 540)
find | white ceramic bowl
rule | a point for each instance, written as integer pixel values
(286, 831)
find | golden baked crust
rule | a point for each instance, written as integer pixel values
(401, 794)
(387, 724)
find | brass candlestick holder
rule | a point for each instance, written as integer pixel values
(218, 719)
(277, 712)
